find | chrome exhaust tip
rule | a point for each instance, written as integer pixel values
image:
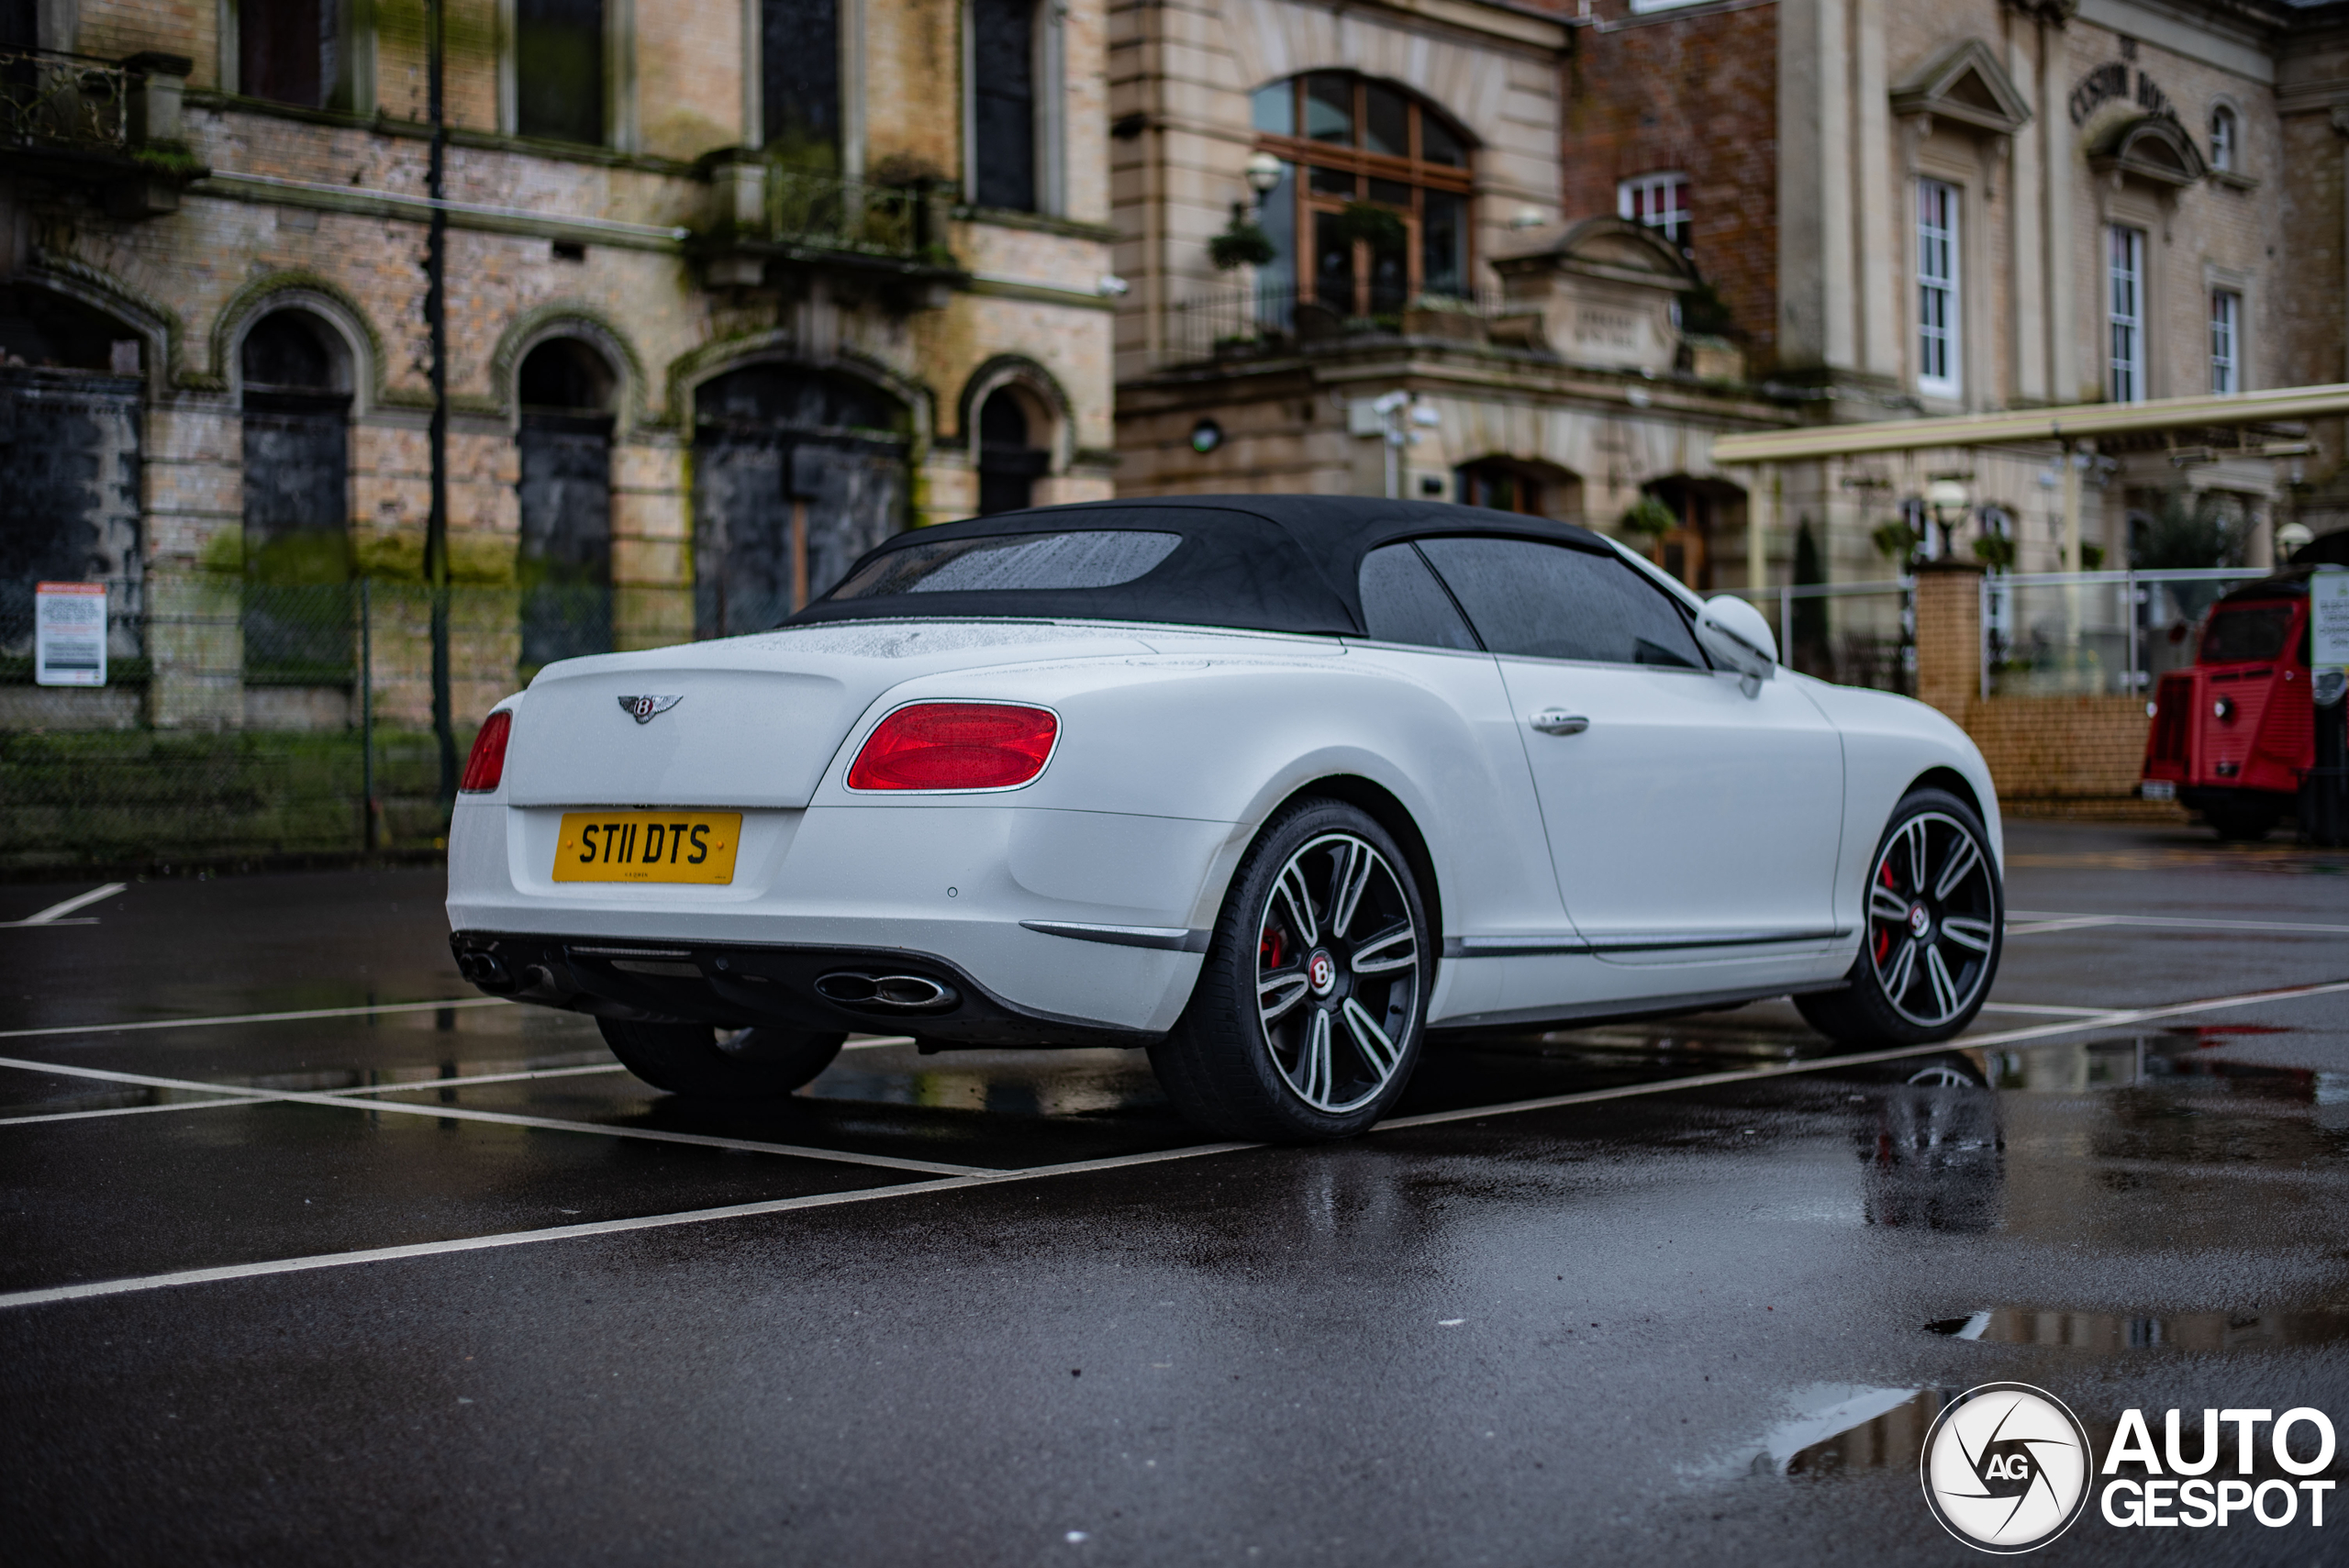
(886, 993)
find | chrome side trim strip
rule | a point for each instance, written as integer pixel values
(1166, 939)
(1660, 941)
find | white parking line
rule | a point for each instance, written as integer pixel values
(2050, 1010)
(227, 1098)
(344, 1100)
(259, 1018)
(1036, 1173)
(57, 912)
(2043, 920)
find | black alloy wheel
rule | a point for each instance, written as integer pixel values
(1936, 924)
(1310, 1005)
(703, 1063)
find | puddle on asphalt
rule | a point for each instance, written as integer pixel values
(2172, 1057)
(2173, 1332)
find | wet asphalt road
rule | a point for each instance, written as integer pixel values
(1002, 1309)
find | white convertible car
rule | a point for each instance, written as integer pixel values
(1270, 787)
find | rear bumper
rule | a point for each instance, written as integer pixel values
(735, 985)
(966, 894)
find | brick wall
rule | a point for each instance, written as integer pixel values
(1698, 95)
(2066, 756)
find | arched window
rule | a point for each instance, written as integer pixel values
(287, 51)
(563, 558)
(1008, 464)
(559, 70)
(1003, 93)
(1380, 213)
(297, 462)
(799, 82)
(2226, 139)
(297, 503)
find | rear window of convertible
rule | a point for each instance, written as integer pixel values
(1017, 563)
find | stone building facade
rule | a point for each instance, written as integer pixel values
(734, 288)
(1868, 209)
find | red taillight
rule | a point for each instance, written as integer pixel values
(955, 745)
(487, 764)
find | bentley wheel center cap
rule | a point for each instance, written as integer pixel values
(1321, 974)
(1920, 921)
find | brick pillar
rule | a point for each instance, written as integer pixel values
(1949, 635)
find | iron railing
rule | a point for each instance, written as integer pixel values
(824, 213)
(1274, 317)
(52, 99)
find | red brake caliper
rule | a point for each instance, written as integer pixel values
(1883, 937)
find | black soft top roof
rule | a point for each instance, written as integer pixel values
(1258, 562)
(2289, 584)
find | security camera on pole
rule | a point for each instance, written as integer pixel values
(1401, 419)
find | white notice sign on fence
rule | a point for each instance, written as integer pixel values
(69, 634)
(2329, 618)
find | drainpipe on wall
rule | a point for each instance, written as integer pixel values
(436, 315)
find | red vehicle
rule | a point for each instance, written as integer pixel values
(2234, 734)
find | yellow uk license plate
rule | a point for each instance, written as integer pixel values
(648, 846)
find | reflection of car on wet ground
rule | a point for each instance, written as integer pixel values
(1271, 786)
(2234, 733)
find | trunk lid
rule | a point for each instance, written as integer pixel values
(756, 719)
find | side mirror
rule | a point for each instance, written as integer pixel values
(1737, 636)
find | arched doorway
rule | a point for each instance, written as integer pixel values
(70, 446)
(797, 472)
(297, 404)
(563, 558)
(1009, 460)
(1513, 485)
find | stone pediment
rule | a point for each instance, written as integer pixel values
(1600, 293)
(1611, 248)
(1966, 84)
(2153, 148)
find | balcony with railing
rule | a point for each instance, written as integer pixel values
(1268, 320)
(768, 213)
(110, 123)
(53, 100)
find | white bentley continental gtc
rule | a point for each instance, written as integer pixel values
(1270, 787)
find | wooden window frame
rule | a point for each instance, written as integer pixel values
(1304, 155)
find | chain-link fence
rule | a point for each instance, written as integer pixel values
(241, 722)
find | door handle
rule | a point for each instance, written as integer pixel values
(1558, 722)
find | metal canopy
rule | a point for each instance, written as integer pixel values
(2073, 422)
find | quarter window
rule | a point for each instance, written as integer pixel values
(1402, 602)
(1938, 358)
(1659, 202)
(2125, 314)
(1548, 601)
(2226, 341)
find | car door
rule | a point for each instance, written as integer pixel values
(1687, 818)
(1502, 917)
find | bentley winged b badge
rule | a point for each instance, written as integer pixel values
(646, 708)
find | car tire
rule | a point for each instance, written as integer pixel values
(1931, 936)
(1312, 1004)
(701, 1063)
